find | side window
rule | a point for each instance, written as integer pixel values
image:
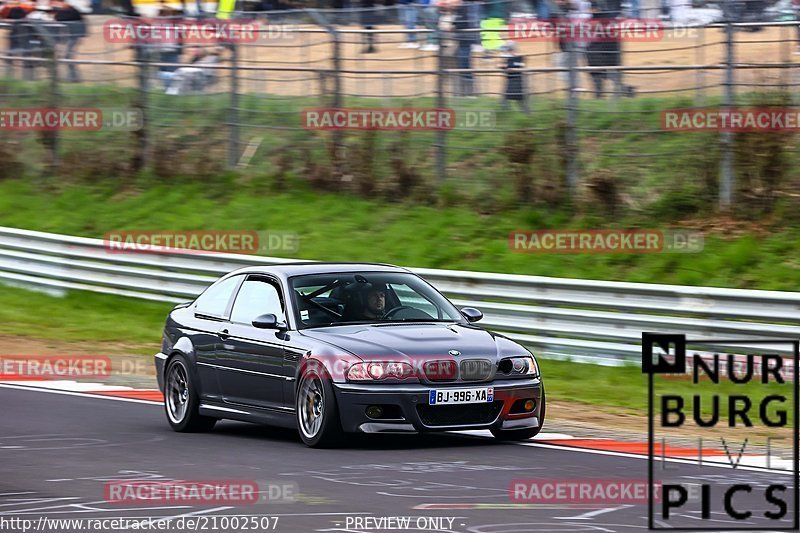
(411, 298)
(256, 297)
(214, 301)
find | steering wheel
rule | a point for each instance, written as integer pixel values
(390, 313)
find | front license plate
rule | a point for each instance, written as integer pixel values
(456, 396)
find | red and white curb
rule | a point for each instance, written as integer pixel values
(87, 388)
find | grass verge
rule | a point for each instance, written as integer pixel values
(342, 227)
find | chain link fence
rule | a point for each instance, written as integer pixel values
(536, 118)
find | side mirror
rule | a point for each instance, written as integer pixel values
(268, 321)
(471, 314)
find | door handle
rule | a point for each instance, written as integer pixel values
(223, 334)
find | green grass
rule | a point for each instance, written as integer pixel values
(661, 174)
(102, 322)
(342, 227)
(624, 389)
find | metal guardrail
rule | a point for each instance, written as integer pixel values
(584, 320)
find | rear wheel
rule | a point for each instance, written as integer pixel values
(317, 412)
(522, 434)
(181, 399)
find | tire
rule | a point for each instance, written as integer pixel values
(522, 434)
(316, 411)
(181, 401)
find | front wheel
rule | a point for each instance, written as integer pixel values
(181, 399)
(522, 434)
(317, 413)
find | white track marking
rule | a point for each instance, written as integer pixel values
(37, 500)
(591, 514)
(205, 511)
(80, 394)
(68, 385)
(657, 459)
(540, 436)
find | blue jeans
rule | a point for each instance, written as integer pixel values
(408, 16)
(636, 8)
(542, 9)
(430, 18)
(474, 17)
(464, 60)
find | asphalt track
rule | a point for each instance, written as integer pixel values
(58, 450)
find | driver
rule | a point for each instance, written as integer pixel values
(366, 302)
(375, 303)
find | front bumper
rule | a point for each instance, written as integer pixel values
(415, 415)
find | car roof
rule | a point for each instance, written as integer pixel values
(288, 270)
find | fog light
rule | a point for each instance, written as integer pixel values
(374, 411)
(529, 405)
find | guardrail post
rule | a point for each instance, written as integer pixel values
(700, 59)
(233, 110)
(141, 150)
(440, 144)
(727, 178)
(51, 138)
(787, 44)
(572, 118)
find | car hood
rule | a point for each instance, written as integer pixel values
(411, 340)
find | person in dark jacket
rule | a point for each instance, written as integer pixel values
(74, 30)
(606, 52)
(464, 41)
(23, 39)
(167, 50)
(515, 79)
(368, 20)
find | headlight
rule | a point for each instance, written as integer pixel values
(375, 371)
(519, 366)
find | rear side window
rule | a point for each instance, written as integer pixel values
(214, 302)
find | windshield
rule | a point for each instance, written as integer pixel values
(368, 297)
